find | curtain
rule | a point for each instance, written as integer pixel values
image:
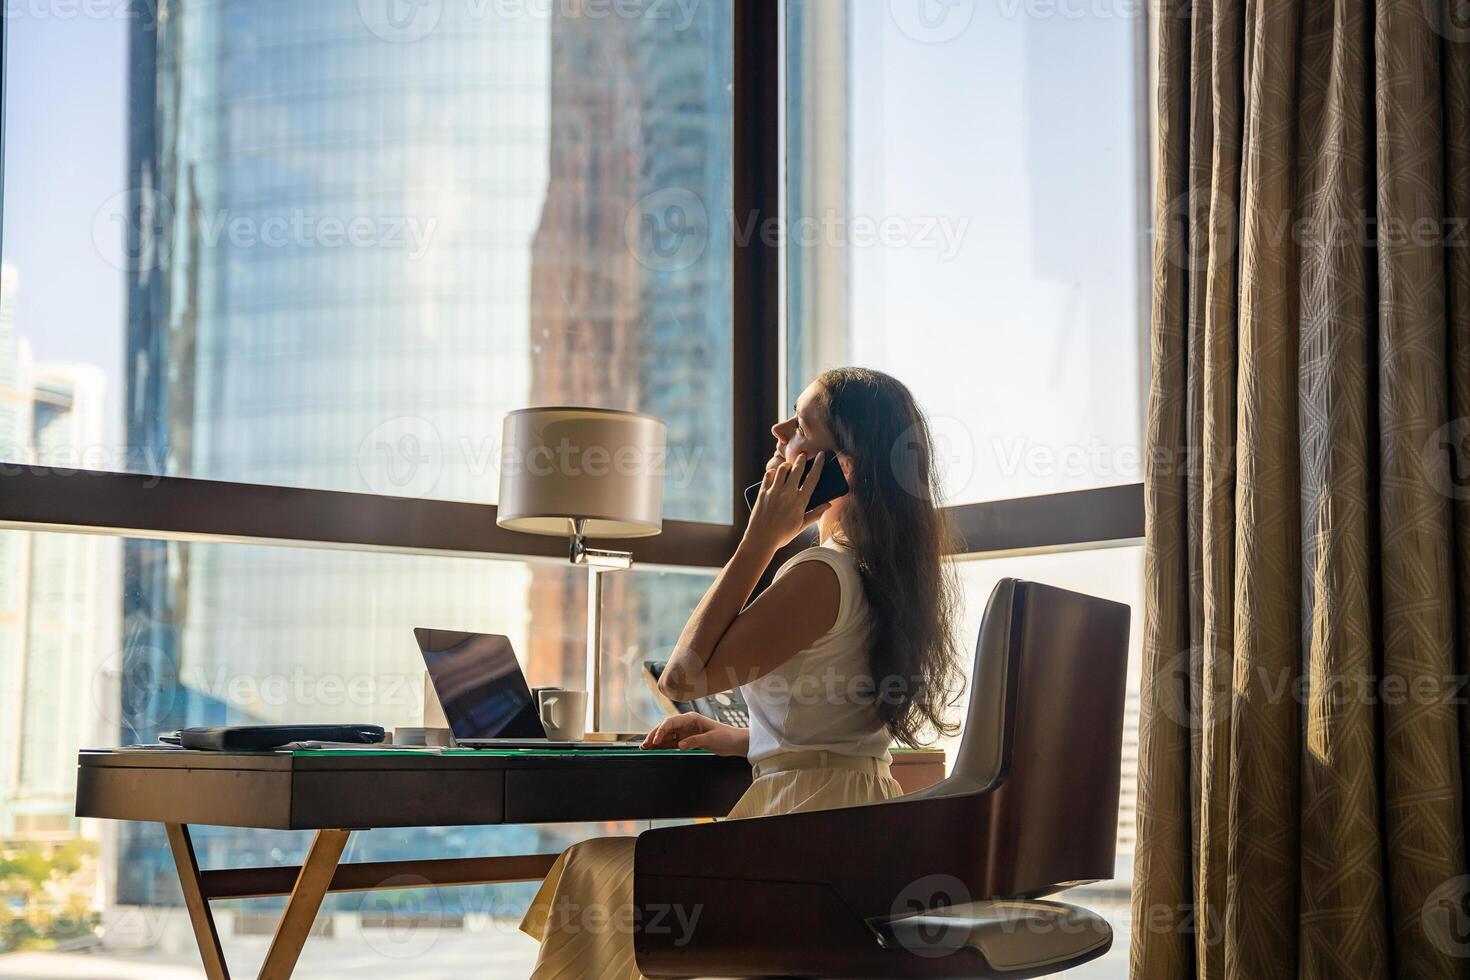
(1305, 737)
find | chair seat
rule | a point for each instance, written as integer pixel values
(1015, 938)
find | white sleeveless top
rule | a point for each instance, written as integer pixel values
(823, 697)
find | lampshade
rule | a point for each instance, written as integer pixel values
(602, 466)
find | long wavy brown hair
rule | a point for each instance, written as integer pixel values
(894, 526)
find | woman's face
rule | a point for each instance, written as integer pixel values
(805, 431)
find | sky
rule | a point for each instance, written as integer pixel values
(65, 157)
(1022, 342)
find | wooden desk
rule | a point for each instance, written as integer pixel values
(336, 792)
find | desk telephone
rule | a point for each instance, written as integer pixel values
(727, 707)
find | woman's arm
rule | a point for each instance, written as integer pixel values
(722, 647)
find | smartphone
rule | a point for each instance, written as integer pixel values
(830, 485)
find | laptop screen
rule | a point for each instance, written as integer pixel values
(480, 685)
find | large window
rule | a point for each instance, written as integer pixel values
(329, 245)
(964, 192)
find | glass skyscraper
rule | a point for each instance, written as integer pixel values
(640, 157)
(356, 244)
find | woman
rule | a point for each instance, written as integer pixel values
(848, 650)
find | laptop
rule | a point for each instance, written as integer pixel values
(484, 694)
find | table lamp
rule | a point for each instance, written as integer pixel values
(580, 473)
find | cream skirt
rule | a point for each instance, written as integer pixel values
(583, 914)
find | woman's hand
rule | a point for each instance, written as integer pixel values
(695, 731)
(780, 511)
(777, 458)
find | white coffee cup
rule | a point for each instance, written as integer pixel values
(563, 713)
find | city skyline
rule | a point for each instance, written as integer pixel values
(54, 621)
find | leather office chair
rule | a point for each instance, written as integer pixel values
(946, 882)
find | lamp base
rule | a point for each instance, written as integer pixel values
(596, 561)
(633, 737)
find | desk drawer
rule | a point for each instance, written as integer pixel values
(643, 793)
(397, 798)
(222, 797)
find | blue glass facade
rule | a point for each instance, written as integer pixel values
(357, 244)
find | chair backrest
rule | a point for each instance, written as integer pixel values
(984, 751)
(1044, 732)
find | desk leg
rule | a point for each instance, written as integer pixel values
(205, 933)
(306, 898)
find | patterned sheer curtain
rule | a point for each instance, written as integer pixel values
(1305, 734)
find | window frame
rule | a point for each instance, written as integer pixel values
(41, 498)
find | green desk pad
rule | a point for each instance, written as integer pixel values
(594, 753)
(515, 753)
